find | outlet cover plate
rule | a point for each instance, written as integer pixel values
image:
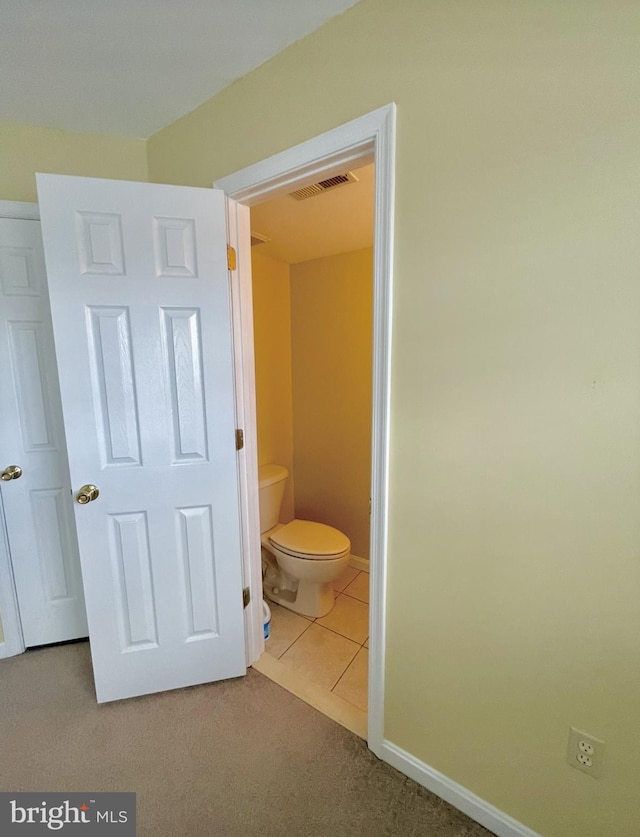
(585, 752)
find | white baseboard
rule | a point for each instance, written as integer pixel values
(359, 563)
(482, 812)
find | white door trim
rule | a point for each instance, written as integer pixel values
(20, 210)
(239, 232)
(13, 642)
(370, 138)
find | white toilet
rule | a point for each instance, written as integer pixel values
(301, 559)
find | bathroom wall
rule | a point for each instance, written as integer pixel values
(331, 317)
(272, 339)
(27, 149)
(513, 571)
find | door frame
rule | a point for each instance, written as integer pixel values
(369, 138)
(13, 642)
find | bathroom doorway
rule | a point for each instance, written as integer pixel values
(366, 139)
(312, 282)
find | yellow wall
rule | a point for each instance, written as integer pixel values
(26, 149)
(272, 342)
(331, 317)
(312, 333)
(514, 528)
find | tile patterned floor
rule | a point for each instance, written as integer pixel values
(332, 651)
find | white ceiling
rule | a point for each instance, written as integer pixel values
(130, 67)
(336, 221)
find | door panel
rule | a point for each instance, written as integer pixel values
(181, 349)
(141, 314)
(113, 383)
(37, 506)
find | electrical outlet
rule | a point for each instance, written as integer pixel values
(585, 752)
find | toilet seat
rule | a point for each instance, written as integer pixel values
(313, 541)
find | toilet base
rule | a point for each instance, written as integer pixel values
(311, 599)
(303, 585)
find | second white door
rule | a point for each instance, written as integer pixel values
(37, 501)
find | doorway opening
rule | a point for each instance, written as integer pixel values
(368, 139)
(312, 278)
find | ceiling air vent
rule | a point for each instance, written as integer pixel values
(324, 186)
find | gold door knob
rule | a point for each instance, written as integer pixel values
(87, 494)
(11, 472)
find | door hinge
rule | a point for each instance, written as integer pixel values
(239, 439)
(246, 596)
(231, 257)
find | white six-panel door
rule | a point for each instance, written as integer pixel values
(37, 505)
(139, 292)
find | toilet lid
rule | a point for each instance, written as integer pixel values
(315, 540)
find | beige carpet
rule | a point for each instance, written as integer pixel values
(242, 757)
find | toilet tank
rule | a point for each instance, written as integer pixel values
(271, 480)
